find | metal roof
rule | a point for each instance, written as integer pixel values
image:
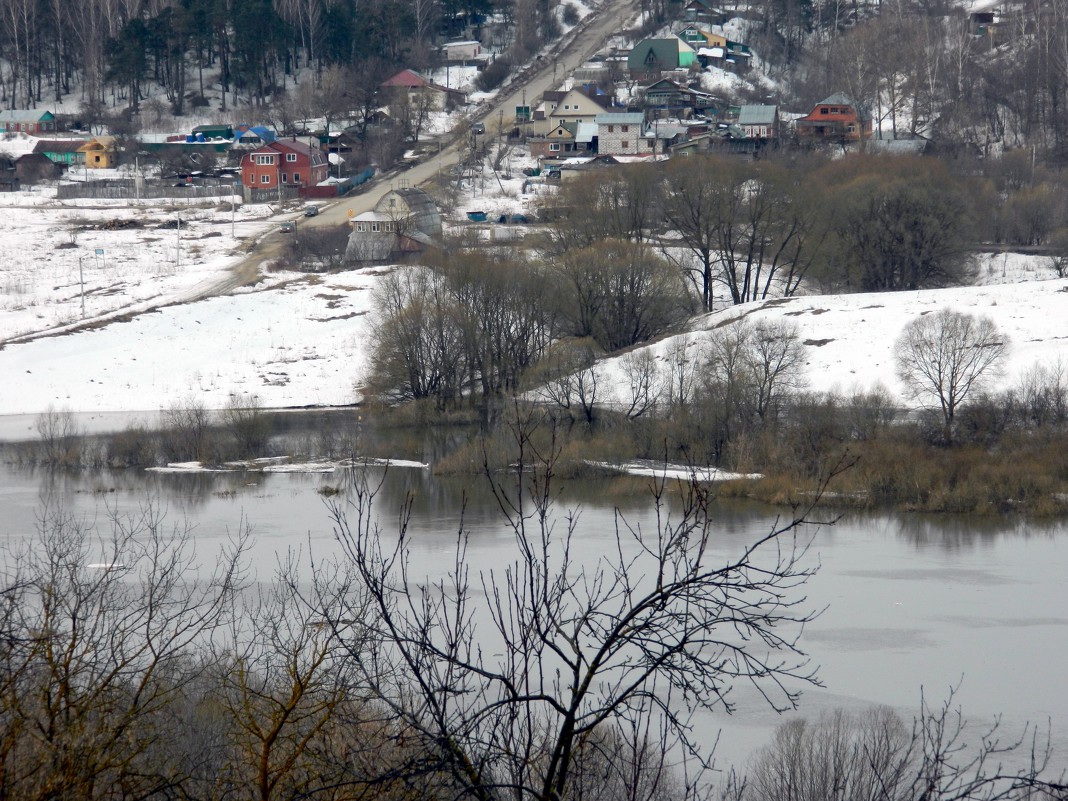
(757, 115)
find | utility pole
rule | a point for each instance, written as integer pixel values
(81, 280)
(178, 249)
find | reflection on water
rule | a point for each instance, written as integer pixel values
(911, 602)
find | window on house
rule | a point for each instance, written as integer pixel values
(264, 159)
(376, 227)
(296, 177)
(361, 227)
(555, 146)
(625, 145)
(852, 129)
(825, 110)
(624, 128)
(283, 177)
(611, 129)
(389, 227)
(291, 157)
(265, 179)
(651, 143)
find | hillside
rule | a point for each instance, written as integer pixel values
(296, 340)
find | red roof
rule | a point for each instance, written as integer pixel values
(407, 78)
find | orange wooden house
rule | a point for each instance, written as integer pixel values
(835, 119)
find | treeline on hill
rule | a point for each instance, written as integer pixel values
(131, 668)
(631, 254)
(920, 66)
(110, 51)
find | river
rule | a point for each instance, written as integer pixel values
(909, 602)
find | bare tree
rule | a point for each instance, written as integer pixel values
(644, 382)
(284, 688)
(947, 355)
(567, 377)
(875, 755)
(503, 678)
(100, 637)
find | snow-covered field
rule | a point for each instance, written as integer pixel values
(296, 340)
(113, 255)
(850, 338)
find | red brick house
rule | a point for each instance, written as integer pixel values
(835, 119)
(289, 162)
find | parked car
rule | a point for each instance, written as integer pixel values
(311, 211)
(287, 228)
(478, 128)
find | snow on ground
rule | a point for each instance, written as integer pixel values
(673, 471)
(300, 342)
(297, 340)
(850, 338)
(122, 256)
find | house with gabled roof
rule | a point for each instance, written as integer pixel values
(560, 141)
(284, 162)
(835, 119)
(581, 104)
(704, 11)
(671, 98)
(253, 135)
(696, 36)
(724, 53)
(403, 223)
(28, 121)
(66, 152)
(759, 122)
(99, 152)
(413, 85)
(651, 58)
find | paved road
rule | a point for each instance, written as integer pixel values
(579, 45)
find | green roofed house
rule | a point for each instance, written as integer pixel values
(33, 122)
(66, 152)
(650, 58)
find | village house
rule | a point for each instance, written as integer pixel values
(725, 54)
(704, 11)
(99, 153)
(252, 136)
(404, 222)
(65, 152)
(651, 58)
(461, 51)
(578, 106)
(667, 98)
(660, 136)
(620, 134)
(32, 168)
(835, 119)
(540, 115)
(418, 90)
(759, 122)
(33, 122)
(284, 162)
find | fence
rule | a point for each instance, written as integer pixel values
(127, 190)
